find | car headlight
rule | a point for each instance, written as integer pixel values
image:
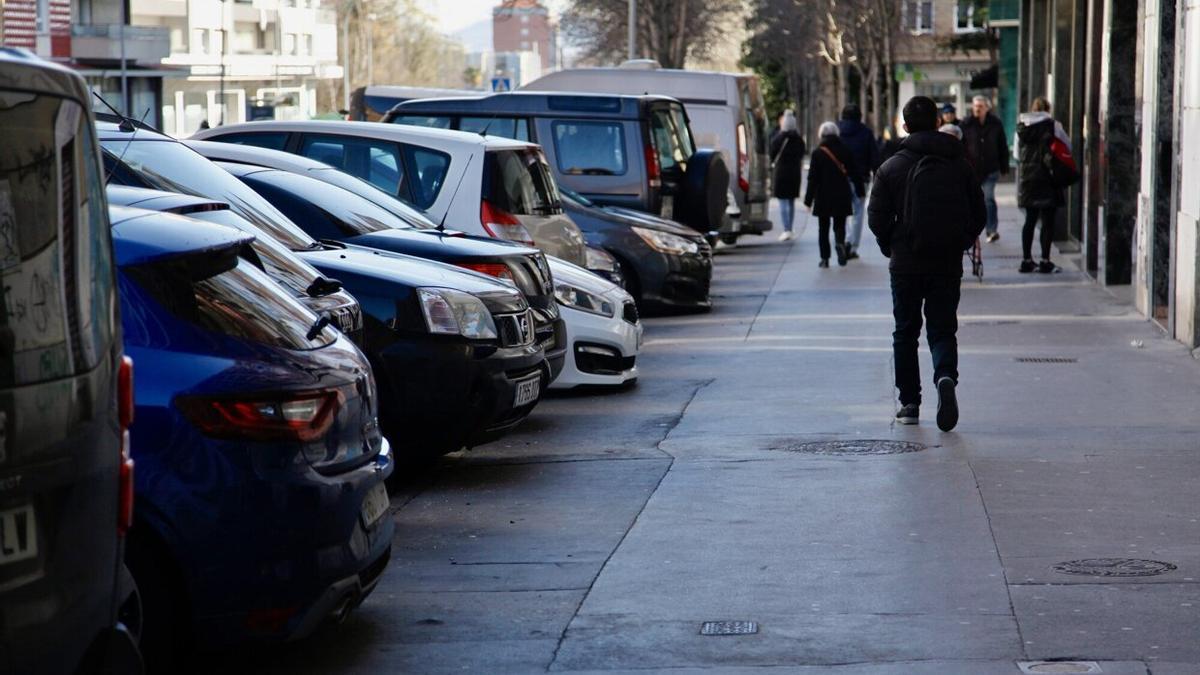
(451, 312)
(577, 298)
(666, 242)
(599, 260)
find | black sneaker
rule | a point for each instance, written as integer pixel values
(841, 256)
(852, 254)
(947, 414)
(1047, 267)
(1027, 266)
(909, 414)
(824, 262)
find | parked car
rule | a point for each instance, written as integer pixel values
(604, 333)
(726, 112)
(261, 506)
(665, 266)
(446, 380)
(485, 186)
(67, 603)
(369, 104)
(140, 157)
(633, 151)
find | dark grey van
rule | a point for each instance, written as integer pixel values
(631, 151)
(66, 389)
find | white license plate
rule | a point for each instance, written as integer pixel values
(18, 535)
(375, 504)
(527, 391)
(668, 208)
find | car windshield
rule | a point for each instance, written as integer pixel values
(359, 215)
(519, 182)
(284, 266)
(410, 215)
(241, 302)
(173, 167)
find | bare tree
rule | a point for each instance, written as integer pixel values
(669, 31)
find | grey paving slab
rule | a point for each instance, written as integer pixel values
(931, 667)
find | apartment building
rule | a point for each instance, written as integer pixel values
(241, 59)
(526, 26)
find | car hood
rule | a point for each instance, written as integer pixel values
(436, 245)
(641, 219)
(378, 268)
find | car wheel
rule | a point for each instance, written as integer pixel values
(630, 279)
(164, 635)
(729, 238)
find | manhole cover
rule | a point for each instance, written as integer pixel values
(1114, 567)
(728, 628)
(1059, 667)
(1046, 359)
(864, 446)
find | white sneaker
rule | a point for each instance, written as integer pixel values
(786, 236)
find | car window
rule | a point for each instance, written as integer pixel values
(668, 141)
(423, 121)
(375, 161)
(284, 266)
(174, 167)
(430, 167)
(590, 148)
(274, 140)
(323, 210)
(519, 182)
(687, 144)
(240, 302)
(56, 283)
(505, 127)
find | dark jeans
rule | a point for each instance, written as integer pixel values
(839, 233)
(1031, 219)
(939, 295)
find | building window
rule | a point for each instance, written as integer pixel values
(524, 32)
(200, 40)
(524, 18)
(524, 45)
(307, 44)
(970, 16)
(917, 16)
(289, 43)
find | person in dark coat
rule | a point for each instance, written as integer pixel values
(925, 280)
(864, 149)
(987, 151)
(787, 156)
(1036, 192)
(831, 176)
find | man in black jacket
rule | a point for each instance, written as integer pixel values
(931, 276)
(987, 151)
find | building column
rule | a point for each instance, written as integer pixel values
(1119, 141)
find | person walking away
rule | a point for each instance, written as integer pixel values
(926, 208)
(864, 149)
(787, 156)
(950, 114)
(1037, 192)
(952, 130)
(987, 151)
(832, 180)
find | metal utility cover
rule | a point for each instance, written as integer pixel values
(1059, 667)
(852, 448)
(1113, 567)
(1046, 359)
(728, 628)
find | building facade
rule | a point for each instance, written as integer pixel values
(525, 26)
(927, 66)
(241, 59)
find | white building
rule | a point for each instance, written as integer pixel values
(245, 59)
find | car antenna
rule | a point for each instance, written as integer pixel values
(442, 223)
(127, 126)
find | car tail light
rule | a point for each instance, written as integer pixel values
(498, 270)
(743, 159)
(125, 403)
(653, 168)
(280, 417)
(501, 224)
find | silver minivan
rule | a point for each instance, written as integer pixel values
(726, 112)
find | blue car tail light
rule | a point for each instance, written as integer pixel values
(287, 416)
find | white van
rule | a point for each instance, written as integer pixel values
(726, 111)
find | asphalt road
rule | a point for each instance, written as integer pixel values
(603, 534)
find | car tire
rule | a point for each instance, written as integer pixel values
(729, 238)
(632, 285)
(705, 188)
(164, 635)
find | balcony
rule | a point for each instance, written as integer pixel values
(102, 42)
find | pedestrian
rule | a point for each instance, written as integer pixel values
(987, 151)
(888, 145)
(787, 156)
(926, 209)
(951, 129)
(1036, 191)
(832, 182)
(864, 150)
(950, 114)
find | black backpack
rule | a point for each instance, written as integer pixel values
(936, 207)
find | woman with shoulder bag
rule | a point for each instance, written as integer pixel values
(830, 176)
(1046, 168)
(787, 154)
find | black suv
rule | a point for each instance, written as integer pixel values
(67, 603)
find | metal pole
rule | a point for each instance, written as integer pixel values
(346, 56)
(224, 42)
(124, 69)
(632, 29)
(371, 48)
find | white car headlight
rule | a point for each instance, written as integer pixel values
(666, 242)
(451, 312)
(577, 298)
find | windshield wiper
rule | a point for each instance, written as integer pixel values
(591, 171)
(331, 243)
(318, 325)
(323, 286)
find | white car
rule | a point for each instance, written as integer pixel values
(483, 185)
(604, 334)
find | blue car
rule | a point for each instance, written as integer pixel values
(260, 504)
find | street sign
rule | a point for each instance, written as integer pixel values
(501, 84)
